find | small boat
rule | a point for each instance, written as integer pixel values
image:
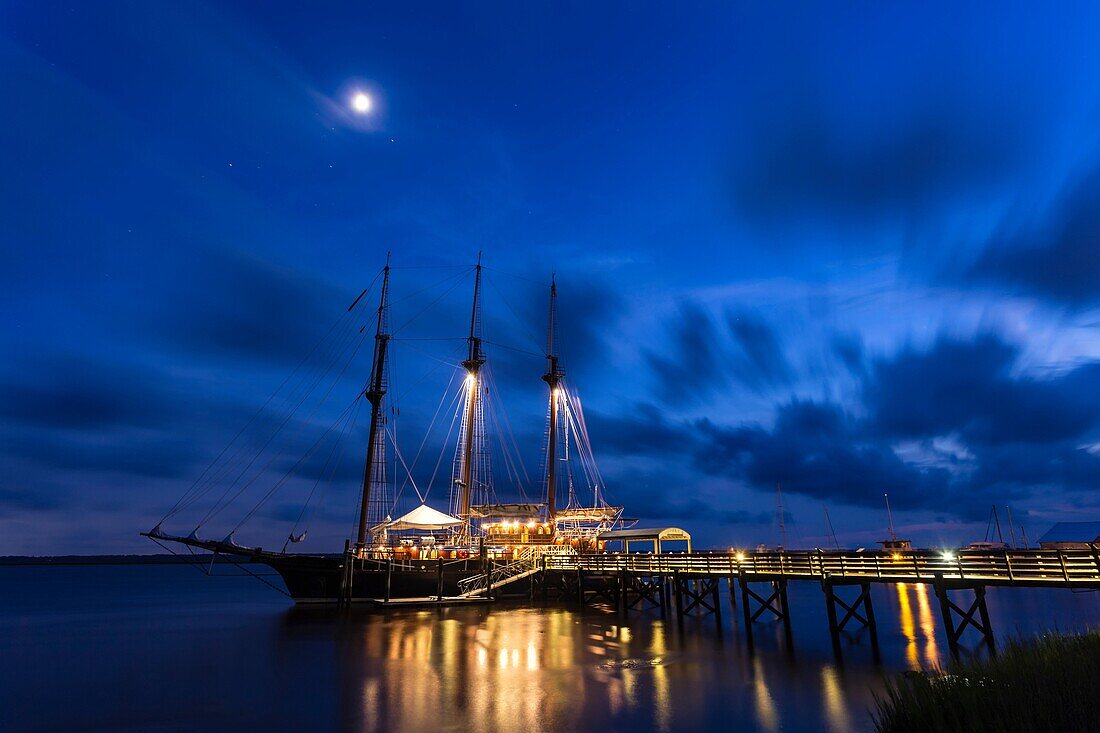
(893, 543)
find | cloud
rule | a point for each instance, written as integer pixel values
(948, 428)
(700, 357)
(73, 392)
(760, 361)
(967, 388)
(231, 306)
(688, 367)
(1059, 260)
(818, 450)
(804, 165)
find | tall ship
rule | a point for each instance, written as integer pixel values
(478, 543)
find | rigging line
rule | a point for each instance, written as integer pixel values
(299, 393)
(444, 338)
(514, 348)
(429, 373)
(266, 466)
(455, 364)
(397, 452)
(330, 467)
(443, 450)
(498, 409)
(431, 304)
(431, 424)
(176, 507)
(512, 435)
(446, 439)
(288, 414)
(512, 274)
(293, 469)
(522, 323)
(430, 267)
(218, 509)
(426, 288)
(347, 328)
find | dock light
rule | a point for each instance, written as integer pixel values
(740, 557)
(896, 556)
(948, 556)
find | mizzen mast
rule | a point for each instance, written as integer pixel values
(552, 378)
(374, 392)
(473, 363)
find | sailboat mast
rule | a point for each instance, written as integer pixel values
(552, 378)
(376, 390)
(890, 517)
(1011, 527)
(829, 526)
(475, 359)
(782, 525)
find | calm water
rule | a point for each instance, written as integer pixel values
(164, 648)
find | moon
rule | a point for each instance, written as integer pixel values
(361, 103)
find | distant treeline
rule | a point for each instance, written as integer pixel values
(160, 559)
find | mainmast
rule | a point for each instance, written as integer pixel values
(474, 360)
(375, 391)
(553, 378)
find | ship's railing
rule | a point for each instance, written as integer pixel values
(1007, 567)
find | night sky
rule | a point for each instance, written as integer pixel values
(853, 249)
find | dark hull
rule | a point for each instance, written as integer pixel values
(323, 579)
(320, 579)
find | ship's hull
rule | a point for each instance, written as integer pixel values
(320, 579)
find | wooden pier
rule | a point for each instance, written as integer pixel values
(687, 583)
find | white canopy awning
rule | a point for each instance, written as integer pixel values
(423, 517)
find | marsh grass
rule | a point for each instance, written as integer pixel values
(1048, 684)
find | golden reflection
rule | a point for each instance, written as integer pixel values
(836, 704)
(546, 669)
(662, 695)
(908, 628)
(926, 623)
(766, 712)
(927, 627)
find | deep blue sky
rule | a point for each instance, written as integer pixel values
(855, 249)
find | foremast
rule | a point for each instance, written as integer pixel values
(553, 378)
(374, 392)
(475, 359)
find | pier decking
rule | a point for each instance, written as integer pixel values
(1043, 568)
(692, 581)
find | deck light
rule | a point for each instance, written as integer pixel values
(740, 557)
(948, 556)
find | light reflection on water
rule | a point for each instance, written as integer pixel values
(136, 648)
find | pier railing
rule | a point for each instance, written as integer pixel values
(988, 567)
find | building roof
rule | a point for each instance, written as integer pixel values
(1072, 532)
(657, 533)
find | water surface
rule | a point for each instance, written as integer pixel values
(165, 648)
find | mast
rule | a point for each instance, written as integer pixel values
(552, 378)
(829, 526)
(997, 522)
(1011, 528)
(890, 518)
(375, 391)
(474, 360)
(782, 526)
